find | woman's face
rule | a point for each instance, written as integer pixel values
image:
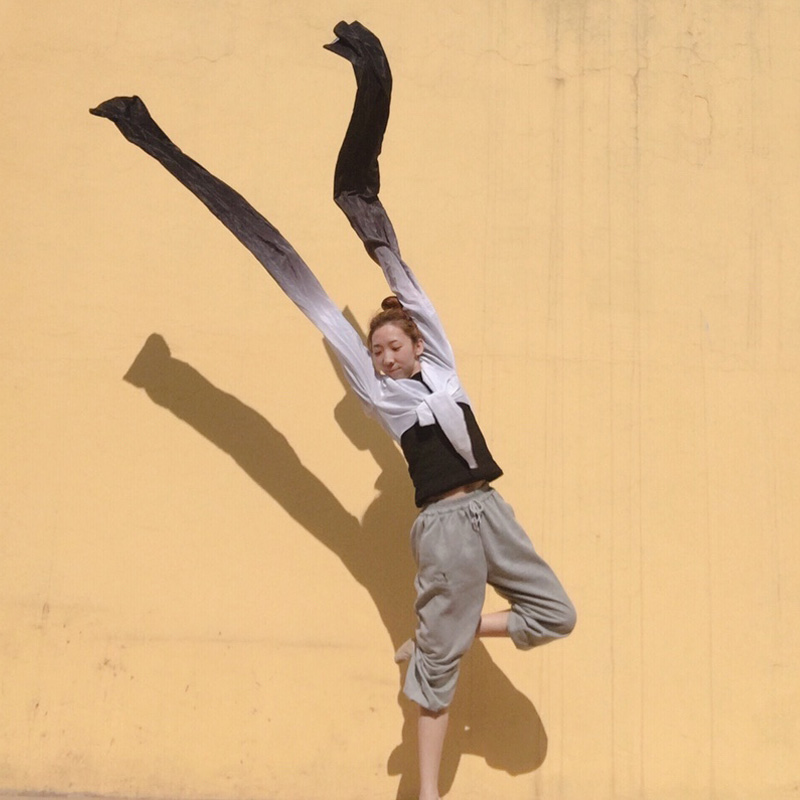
(394, 353)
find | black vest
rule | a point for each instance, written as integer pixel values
(434, 464)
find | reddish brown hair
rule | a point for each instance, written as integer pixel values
(392, 312)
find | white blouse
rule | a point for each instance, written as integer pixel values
(397, 404)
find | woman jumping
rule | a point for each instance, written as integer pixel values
(465, 535)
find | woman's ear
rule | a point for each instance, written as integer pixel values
(419, 347)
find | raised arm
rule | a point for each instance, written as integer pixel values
(256, 233)
(357, 179)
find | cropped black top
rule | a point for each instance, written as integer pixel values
(433, 463)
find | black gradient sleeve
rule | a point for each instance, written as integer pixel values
(254, 231)
(356, 180)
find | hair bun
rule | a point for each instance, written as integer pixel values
(393, 313)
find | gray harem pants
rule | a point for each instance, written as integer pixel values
(460, 544)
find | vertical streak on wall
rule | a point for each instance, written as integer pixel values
(554, 345)
(704, 132)
(764, 346)
(758, 105)
(608, 61)
(624, 312)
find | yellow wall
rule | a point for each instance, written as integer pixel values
(201, 583)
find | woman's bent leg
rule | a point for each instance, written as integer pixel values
(494, 624)
(540, 610)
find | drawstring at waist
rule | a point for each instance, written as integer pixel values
(475, 511)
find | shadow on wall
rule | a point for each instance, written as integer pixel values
(490, 718)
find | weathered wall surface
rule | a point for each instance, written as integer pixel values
(203, 554)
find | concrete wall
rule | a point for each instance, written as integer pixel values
(203, 556)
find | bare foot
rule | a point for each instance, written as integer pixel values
(405, 651)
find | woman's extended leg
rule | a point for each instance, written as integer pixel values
(450, 586)
(431, 731)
